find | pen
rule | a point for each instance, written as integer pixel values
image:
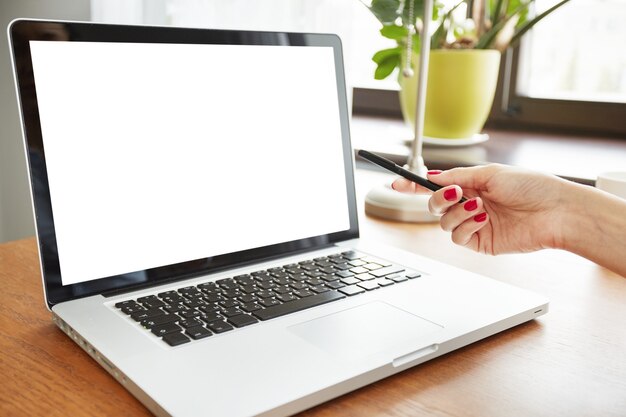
(393, 167)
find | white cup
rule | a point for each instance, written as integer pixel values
(612, 182)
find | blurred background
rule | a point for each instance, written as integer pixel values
(574, 67)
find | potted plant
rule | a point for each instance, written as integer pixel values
(464, 60)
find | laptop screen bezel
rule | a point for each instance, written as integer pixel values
(22, 31)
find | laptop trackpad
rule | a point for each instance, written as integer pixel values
(365, 330)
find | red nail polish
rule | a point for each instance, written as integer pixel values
(434, 172)
(450, 194)
(471, 205)
(480, 217)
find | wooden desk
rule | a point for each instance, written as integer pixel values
(570, 362)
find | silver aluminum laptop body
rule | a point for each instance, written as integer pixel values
(238, 160)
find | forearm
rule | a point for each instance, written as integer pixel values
(594, 226)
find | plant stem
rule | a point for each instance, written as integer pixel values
(485, 41)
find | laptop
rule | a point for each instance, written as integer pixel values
(195, 208)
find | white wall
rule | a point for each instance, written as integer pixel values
(16, 220)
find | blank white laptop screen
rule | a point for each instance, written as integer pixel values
(164, 153)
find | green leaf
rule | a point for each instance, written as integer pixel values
(386, 11)
(496, 12)
(526, 27)
(381, 55)
(394, 32)
(386, 66)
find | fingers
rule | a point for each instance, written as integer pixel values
(458, 214)
(472, 177)
(405, 186)
(465, 234)
(442, 200)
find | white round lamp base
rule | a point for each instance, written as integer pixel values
(382, 201)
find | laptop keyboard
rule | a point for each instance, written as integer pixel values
(195, 312)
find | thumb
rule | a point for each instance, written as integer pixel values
(470, 177)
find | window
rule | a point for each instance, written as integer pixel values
(568, 73)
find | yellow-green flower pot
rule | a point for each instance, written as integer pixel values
(460, 92)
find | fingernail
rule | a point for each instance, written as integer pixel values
(480, 217)
(471, 205)
(450, 194)
(435, 172)
(392, 186)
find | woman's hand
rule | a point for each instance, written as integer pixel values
(508, 209)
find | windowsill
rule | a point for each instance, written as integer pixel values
(575, 157)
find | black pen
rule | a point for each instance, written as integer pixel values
(393, 167)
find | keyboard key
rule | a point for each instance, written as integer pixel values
(299, 286)
(282, 289)
(156, 303)
(314, 281)
(209, 308)
(352, 290)
(350, 280)
(372, 266)
(189, 314)
(303, 293)
(393, 269)
(132, 308)
(190, 323)
(298, 305)
(358, 270)
(233, 311)
(142, 315)
(357, 262)
(365, 277)
(158, 320)
(163, 329)
(352, 255)
(335, 284)
(125, 303)
(242, 320)
(248, 298)
(211, 317)
(397, 278)
(147, 298)
(413, 275)
(167, 294)
(269, 302)
(250, 307)
(265, 294)
(384, 282)
(194, 303)
(319, 289)
(344, 274)
(188, 290)
(175, 339)
(368, 285)
(232, 293)
(285, 298)
(219, 326)
(175, 308)
(198, 332)
(330, 277)
(229, 303)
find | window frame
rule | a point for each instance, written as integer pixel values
(511, 110)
